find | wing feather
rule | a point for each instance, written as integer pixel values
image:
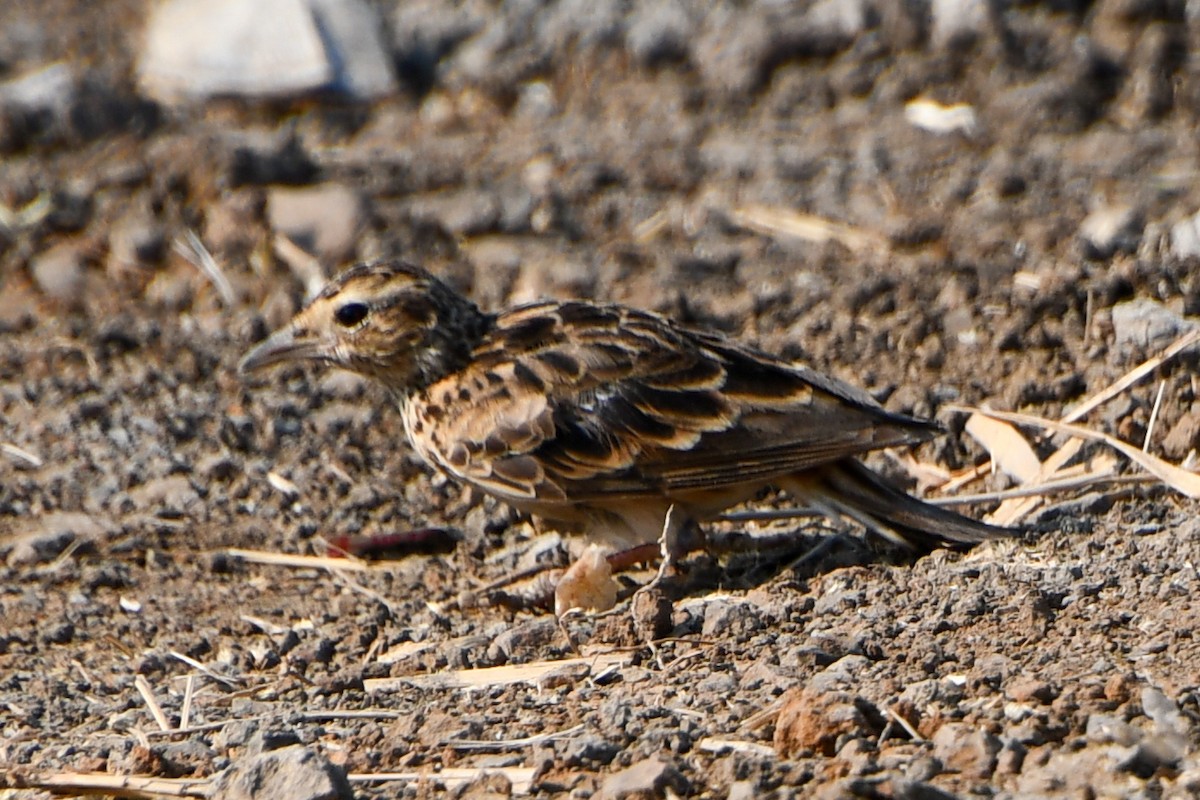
(589, 402)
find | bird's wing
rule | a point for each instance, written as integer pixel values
(572, 402)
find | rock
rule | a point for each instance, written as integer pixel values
(426, 31)
(18, 310)
(957, 24)
(1109, 230)
(730, 618)
(907, 789)
(652, 613)
(467, 212)
(587, 751)
(296, 773)
(56, 532)
(36, 106)
(137, 239)
(1025, 689)
(522, 640)
(351, 32)
(660, 32)
(275, 157)
(59, 273)
(1184, 436)
(171, 497)
(271, 737)
(823, 714)
(647, 779)
(1162, 710)
(1106, 729)
(733, 51)
(324, 220)
(1185, 237)
(1147, 324)
(196, 49)
(1154, 753)
(966, 749)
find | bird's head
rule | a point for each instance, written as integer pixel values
(390, 321)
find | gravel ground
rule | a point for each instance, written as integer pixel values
(801, 175)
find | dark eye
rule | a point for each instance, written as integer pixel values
(350, 314)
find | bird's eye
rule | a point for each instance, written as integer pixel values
(350, 314)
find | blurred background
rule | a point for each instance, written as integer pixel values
(737, 164)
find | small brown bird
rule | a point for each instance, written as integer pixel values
(600, 418)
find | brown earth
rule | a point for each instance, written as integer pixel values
(976, 270)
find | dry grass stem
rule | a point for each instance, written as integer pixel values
(195, 253)
(1133, 376)
(511, 744)
(127, 786)
(143, 687)
(297, 561)
(194, 664)
(185, 712)
(1182, 481)
(775, 221)
(1162, 385)
(717, 746)
(12, 451)
(485, 677)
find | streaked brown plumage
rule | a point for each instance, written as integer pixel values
(600, 417)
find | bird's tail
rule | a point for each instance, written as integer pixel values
(850, 489)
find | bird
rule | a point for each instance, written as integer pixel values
(607, 420)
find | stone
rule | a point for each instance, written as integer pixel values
(197, 49)
(56, 532)
(294, 772)
(660, 32)
(171, 497)
(957, 24)
(966, 749)
(1109, 230)
(730, 618)
(1184, 436)
(1185, 237)
(645, 780)
(324, 220)
(1147, 324)
(36, 105)
(59, 274)
(819, 717)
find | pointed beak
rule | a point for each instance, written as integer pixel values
(283, 346)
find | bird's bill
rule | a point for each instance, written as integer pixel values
(283, 346)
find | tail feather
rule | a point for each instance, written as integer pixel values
(850, 489)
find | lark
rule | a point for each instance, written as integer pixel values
(601, 418)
